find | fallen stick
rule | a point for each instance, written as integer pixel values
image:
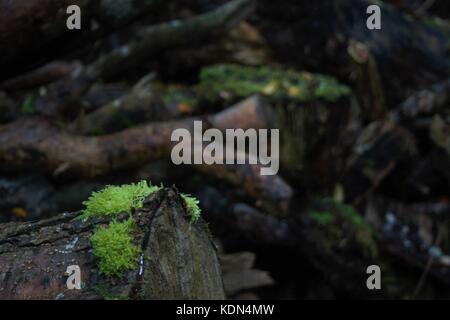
(46, 74)
(142, 104)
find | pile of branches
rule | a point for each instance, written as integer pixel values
(364, 177)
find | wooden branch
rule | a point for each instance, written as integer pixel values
(378, 150)
(36, 144)
(336, 23)
(65, 93)
(173, 33)
(180, 260)
(46, 74)
(142, 104)
(42, 25)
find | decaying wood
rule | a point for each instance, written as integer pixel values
(369, 88)
(333, 24)
(142, 104)
(43, 75)
(180, 260)
(37, 144)
(239, 274)
(8, 108)
(174, 33)
(271, 192)
(414, 232)
(42, 25)
(65, 93)
(379, 149)
(27, 18)
(426, 102)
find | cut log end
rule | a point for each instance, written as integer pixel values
(179, 258)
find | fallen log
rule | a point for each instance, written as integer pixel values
(179, 258)
(36, 144)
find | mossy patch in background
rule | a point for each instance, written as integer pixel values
(28, 104)
(243, 81)
(321, 217)
(338, 223)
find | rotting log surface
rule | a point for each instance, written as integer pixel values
(38, 144)
(180, 259)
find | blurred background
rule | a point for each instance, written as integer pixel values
(364, 119)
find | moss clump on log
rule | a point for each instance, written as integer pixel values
(191, 204)
(113, 245)
(114, 248)
(113, 200)
(243, 81)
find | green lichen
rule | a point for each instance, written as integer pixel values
(192, 206)
(113, 200)
(241, 81)
(114, 248)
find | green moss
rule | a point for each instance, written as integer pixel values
(113, 200)
(28, 104)
(350, 213)
(192, 206)
(332, 210)
(242, 81)
(113, 245)
(321, 217)
(340, 221)
(114, 248)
